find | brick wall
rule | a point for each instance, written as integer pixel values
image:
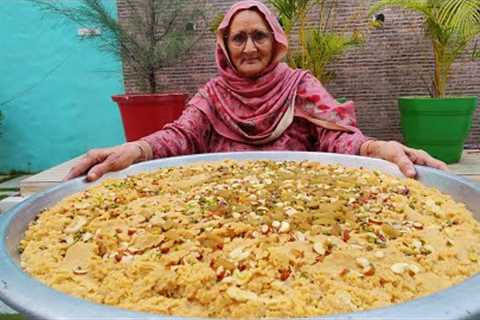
(392, 63)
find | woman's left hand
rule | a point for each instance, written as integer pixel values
(403, 156)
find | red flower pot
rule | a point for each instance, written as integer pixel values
(143, 114)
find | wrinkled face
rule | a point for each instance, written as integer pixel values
(250, 43)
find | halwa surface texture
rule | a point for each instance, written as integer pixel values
(253, 239)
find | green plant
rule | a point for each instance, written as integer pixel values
(159, 33)
(215, 22)
(318, 46)
(452, 26)
(321, 48)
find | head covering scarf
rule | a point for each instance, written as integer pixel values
(258, 110)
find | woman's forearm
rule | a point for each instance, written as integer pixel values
(339, 141)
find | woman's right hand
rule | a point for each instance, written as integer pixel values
(97, 162)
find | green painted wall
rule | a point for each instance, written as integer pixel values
(55, 90)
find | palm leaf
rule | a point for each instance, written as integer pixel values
(463, 16)
(291, 11)
(421, 6)
(451, 24)
(323, 48)
(316, 46)
(215, 22)
(290, 8)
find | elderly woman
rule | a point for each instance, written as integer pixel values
(255, 103)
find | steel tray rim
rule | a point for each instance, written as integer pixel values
(36, 300)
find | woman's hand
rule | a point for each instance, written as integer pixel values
(403, 156)
(97, 162)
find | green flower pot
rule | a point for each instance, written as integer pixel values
(437, 125)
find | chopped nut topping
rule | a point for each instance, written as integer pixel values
(265, 229)
(79, 270)
(418, 225)
(290, 211)
(69, 240)
(76, 225)
(400, 267)
(284, 227)
(241, 295)
(319, 248)
(368, 270)
(362, 262)
(417, 244)
(86, 236)
(276, 224)
(285, 274)
(133, 250)
(375, 221)
(300, 236)
(426, 249)
(413, 268)
(127, 259)
(238, 254)
(220, 270)
(343, 272)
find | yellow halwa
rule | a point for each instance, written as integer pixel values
(253, 239)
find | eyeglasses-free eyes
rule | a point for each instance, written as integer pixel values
(258, 37)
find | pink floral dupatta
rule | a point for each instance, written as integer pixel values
(257, 111)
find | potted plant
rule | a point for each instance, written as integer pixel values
(318, 46)
(439, 123)
(158, 34)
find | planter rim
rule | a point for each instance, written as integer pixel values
(437, 98)
(147, 96)
(140, 94)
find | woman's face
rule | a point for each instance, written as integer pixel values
(250, 43)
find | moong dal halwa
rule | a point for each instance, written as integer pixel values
(253, 239)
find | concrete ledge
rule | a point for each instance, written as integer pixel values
(46, 179)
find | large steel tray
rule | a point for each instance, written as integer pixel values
(35, 300)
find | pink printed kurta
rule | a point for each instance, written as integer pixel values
(192, 133)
